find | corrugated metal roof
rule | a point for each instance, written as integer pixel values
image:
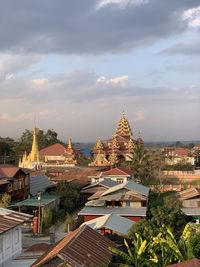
(105, 183)
(95, 203)
(115, 210)
(113, 222)
(81, 248)
(193, 262)
(39, 183)
(10, 219)
(33, 201)
(130, 185)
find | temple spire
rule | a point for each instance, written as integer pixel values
(34, 155)
(70, 143)
(123, 128)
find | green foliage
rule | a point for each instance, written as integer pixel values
(6, 149)
(145, 164)
(83, 160)
(162, 210)
(159, 251)
(69, 222)
(195, 241)
(5, 199)
(47, 218)
(70, 195)
(11, 150)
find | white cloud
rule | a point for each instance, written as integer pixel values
(121, 80)
(120, 3)
(192, 16)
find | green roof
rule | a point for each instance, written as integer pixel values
(34, 202)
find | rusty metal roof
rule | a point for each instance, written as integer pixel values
(10, 219)
(193, 262)
(83, 247)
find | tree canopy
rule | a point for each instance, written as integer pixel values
(11, 150)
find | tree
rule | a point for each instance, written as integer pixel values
(5, 200)
(44, 139)
(145, 164)
(47, 218)
(195, 242)
(6, 149)
(164, 211)
(69, 194)
(69, 221)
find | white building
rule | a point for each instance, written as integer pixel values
(10, 234)
(119, 175)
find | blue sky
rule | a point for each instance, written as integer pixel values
(76, 66)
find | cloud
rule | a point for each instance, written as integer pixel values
(12, 64)
(80, 27)
(192, 16)
(121, 80)
(120, 3)
(187, 48)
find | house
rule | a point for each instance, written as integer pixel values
(111, 224)
(59, 155)
(193, 262)
(128, 199)
(177, 155)
(91, 189)
(30, 255)
(190, 199)
(40, 183)
(82, 247)
(119, 175)
(10, 234)
(15, 181)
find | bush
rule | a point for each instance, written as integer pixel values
(47, 218)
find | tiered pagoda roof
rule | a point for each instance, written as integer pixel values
(124, 128)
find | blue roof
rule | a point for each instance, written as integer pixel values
(111, 221)
(130, 185)
(39, 183)
(125, 211)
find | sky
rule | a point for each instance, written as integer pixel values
(75, 66)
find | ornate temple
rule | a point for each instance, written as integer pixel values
(56, 155)
(33, 160)
(119, 148)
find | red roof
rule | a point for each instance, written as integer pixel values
(82, 246)
(180, 151)
(118, 171)
(56, 149)
(7, 170)
(194, 263)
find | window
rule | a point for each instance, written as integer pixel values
(128, 203)
(120, 181)
(96, 180)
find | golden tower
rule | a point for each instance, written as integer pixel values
(70, 158)
(123, 128)
(32, 161)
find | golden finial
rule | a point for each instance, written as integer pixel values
(70, 143)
